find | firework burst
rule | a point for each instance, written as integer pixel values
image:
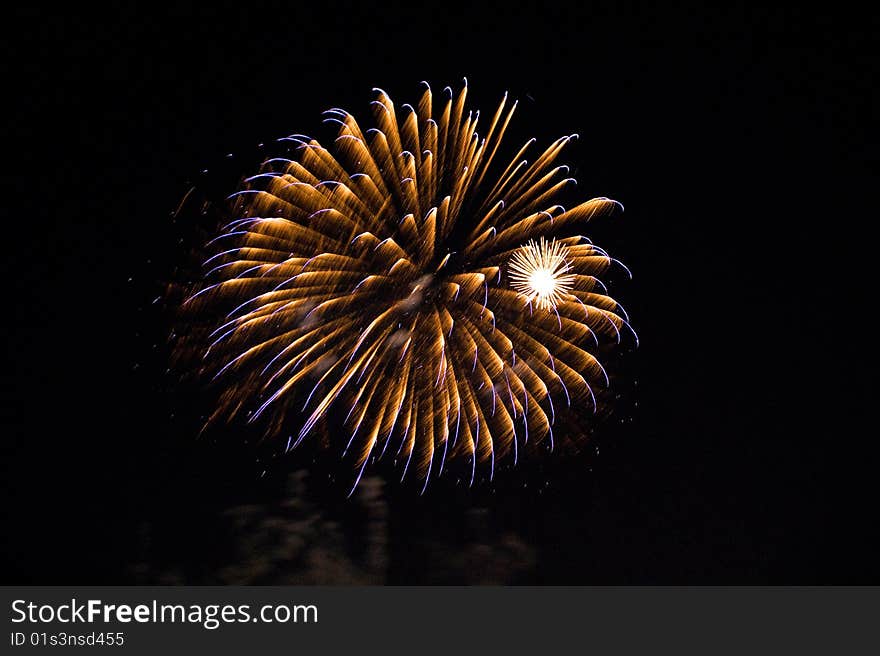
(539, 271)
(393, 285)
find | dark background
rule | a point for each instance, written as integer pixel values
(736, 139)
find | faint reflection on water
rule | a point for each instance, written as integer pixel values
(292, 541)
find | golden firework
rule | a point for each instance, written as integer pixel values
(384, 282)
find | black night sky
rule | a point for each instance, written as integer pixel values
(739, 452)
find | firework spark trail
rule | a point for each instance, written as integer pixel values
(410, 289)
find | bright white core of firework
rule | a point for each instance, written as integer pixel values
(539, 273)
